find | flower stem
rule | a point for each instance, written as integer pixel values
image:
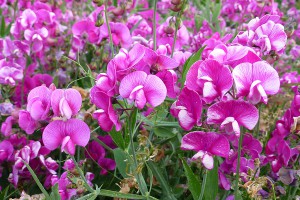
(154, 25)
(177, 26)
(237, 176)
(109, 31)
(88, 187)
(203, 185)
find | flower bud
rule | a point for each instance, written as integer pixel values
(175, 2)
(98, 2)
(100, 21)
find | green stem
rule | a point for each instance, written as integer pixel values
(154, 25)
(237, 176)
(36, 179)
(109, 31)
(177, 26)
(203, 185)
(88, 187)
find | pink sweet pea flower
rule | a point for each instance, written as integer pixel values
(106, 115)
(67, 134)
(142, 88)
(188, 109)
(6, 126)
(210, 79)
(256, 81)
(26, 122)
(265, 33)
(157, 60)
(120, 34)
(169, 77)
(6, 150)
(50, 164)
(206, 144)
(233, 55)
(36, 37)
(39, 102)
(66, 103)
(28, 18)
(232, 114)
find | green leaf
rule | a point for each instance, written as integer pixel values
(121, 159)
(168, 194)
(55, 194)
(115, 3)
(3, 194)
(117, 138)
(216, 13)
(211, 187)
(109, 193)
(166, 132)
(37, 181)
(2, 27)
(193, 182)
(187, 65)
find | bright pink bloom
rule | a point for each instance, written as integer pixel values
(206, 144)
(50, 164)
(39, 102)
(157, 60)
(28, 18)
(142, 88)
(169, 77)
(106, 115)
(256, 81)
(66, 103)
(232, 114)
(233, 55)
(66, 134)
(188, 109)
(265, 33)
(26, 122)
(6, 150)
(210, 79)
(6, 127)
(36, 37)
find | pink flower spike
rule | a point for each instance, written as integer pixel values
(66, 134)
(142, 88)
(206, 144)
(66, 103)
(256, 81)
(188, 109)
(232, 114)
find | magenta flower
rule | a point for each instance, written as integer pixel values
(36, 37)
(50, 164)
(210, 79)
(66, 134)
(265, 33)
(169, 77)
(142, 88)
(39, 102)
(6, 126)
(28, 18)
(232, 114)
(206, 144)
(158, 61)
(106, 115)
(233, 55)
(6, 150)
(278, 153)
(256, 81)
(188, 109)
(66, 103)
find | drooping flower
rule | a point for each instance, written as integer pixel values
(232, 114)
(188, 109)
(66, 103)
(206, 144)
(142, 88)
(256, 81)
(66, 134)
(210, 79)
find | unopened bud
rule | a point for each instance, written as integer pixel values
(176, 8)
(100, 21)
(98, 2)
(175, 2)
